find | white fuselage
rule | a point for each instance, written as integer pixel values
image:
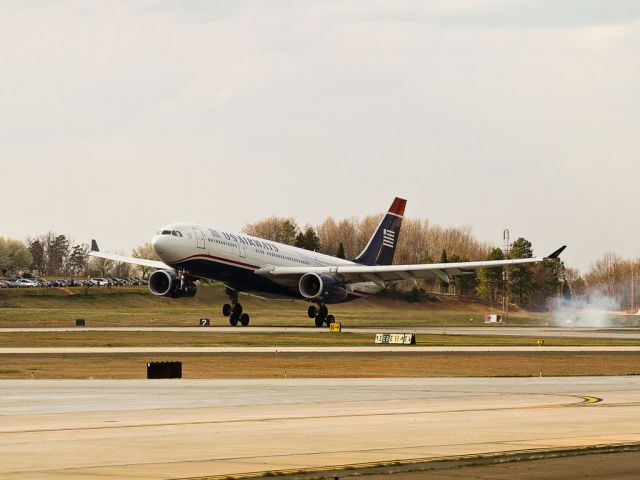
(182, 244)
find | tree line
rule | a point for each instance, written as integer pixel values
(54, 255)
(423, 242)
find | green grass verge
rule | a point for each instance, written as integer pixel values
(136, 306)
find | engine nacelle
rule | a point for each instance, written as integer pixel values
(166, 283)
(321, 288)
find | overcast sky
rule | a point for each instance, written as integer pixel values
(117, 117)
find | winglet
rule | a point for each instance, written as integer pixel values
(94, 246)
(557, 253)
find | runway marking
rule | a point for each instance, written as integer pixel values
(585, 400)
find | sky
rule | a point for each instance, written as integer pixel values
(118, 117)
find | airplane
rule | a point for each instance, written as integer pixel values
(269, 269)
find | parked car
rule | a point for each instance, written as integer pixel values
(6, 284)
(99, 282)
(26, 282)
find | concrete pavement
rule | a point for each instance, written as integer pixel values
(185, 428)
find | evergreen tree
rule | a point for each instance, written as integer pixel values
(311, 240)
(521, 275)
(308, 240)
(490, 282)
(38, 256)
(546, 280)
(57, 254)
(287, 232)
(78, 259)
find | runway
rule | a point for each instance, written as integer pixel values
(178, 429)
(543, 332)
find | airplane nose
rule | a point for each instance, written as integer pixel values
(159, 244)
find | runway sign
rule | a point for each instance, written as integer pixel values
(396, 338)
(80, 322)
(335, 327)
(204, 322)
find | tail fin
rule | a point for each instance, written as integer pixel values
(382, 246)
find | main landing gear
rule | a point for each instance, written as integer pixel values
(321, 314)
(234, 311)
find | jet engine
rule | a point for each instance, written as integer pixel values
(166, 283)
(321, 288)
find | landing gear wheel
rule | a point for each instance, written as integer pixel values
(244, 319)
(237, 309)
(323, 311)
(330, 319)
(312, 312)
(226, 310)
(319, 321)
(233, 320)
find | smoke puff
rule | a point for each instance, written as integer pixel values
(591, 310)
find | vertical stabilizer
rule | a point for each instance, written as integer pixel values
(382, 245)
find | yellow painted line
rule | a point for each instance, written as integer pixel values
(585, 400)
(411, 461)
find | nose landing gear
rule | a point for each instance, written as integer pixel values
(234, 310)
(321, 315)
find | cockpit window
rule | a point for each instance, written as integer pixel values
(175, 233)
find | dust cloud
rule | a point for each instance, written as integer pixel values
(592, 310)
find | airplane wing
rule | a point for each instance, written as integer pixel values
(388, 273)
(143, 262)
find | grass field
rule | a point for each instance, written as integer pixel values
(299, 365)
(136, 306)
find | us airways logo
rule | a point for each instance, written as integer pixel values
(388, 238)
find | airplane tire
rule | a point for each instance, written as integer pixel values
(319, 321)
(237, 309)
(312, 312)
(226, 310)
(233, 320)
(330, 319)
(244, 319)
(323, 311)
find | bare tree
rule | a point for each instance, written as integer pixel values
(146, 252)
(277, 229)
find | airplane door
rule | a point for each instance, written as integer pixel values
(199, 237)
(242, 250)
